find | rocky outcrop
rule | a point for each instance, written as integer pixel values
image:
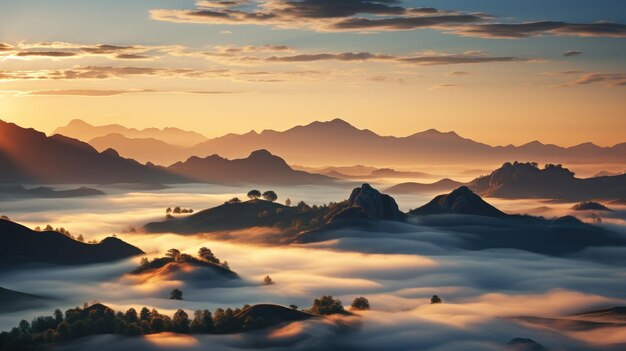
(368, 203)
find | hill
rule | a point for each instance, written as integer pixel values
(29, 156)
(174, 136)
(141, 149)
(11, 301)
(260, 167)
(272, 314)
(460, 201)
(24, 246)
(10, 190)
(419, 188)
(526, 180)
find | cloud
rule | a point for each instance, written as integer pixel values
(540, 28)
(46, 53)
(374, 15)
(445, 86)
(458, 73)
(60, 50)
(572, 53)
(608, 79)
(101, 92)
(319, 15)
(426, 59)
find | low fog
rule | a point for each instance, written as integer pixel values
(398, 268)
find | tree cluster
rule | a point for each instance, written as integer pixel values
(269, 195)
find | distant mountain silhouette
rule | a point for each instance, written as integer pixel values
(527, 180)
(29, 156)
(11, 301)
(24, 246)
(141, 149)
(342, 143)
(260, 167)
(590, 206)
(84, 131)
(460, 201)
(12, 190)
(445, 184)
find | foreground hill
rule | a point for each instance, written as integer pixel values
(365, 204)
(342, 143)
(84, 131)
(24, 246)
(29, 156)
(260, 167)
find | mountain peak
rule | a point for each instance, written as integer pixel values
(78, 122)
(460, 201)
(261, 153)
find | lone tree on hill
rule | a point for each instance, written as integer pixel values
(176, 294)
(254, 194)
(435, 299)
(173, 253)
(267, 280)
(270, 196)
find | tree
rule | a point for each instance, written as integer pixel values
(360, 304)
(176, 294)
(58, 316)
(293, 307)
(267, 280)
(144, 261)
(435, 299)
(234, 200)
(80, 238)
(131, 316)
(177, 210)
(327, 305)
(168, 210)
(288, 202)
(180, 322)
(270, 196)
(207, 255)
(64, 330)
(254, 194)
(173, 253)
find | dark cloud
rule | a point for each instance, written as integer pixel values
(422, 60)
(572, 53)
(531, 29)
(404, 23)
(132, 57)
(46, 53)
(458, 73)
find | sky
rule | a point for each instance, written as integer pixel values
(499, 72)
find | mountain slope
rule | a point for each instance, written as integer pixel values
(24, 246)
(29, 156)
(260, 167)
(84, 131)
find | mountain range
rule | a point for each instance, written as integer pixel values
(342, 143)
(84, 131)
(30, 157)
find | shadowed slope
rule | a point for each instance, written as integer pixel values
(24, 246)
(29, 156)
